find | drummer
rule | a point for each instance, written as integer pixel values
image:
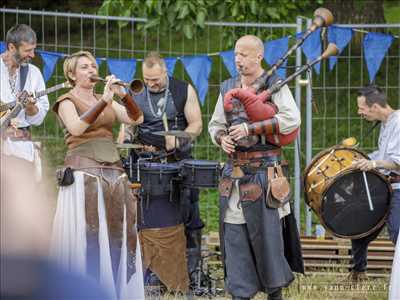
(168, 104)
(373, 106)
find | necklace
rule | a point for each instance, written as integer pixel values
(161, 104)
(12, 81)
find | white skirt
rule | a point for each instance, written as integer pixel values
(394, 289)
(68, 246)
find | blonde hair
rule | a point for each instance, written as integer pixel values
(71, 62)
(153, 58)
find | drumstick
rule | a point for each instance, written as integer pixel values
(371, 207)
(165, 121)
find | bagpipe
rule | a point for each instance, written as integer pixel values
(254, 104)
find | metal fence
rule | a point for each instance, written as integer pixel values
(332, 92)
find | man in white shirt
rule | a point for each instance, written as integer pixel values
(18, 75)
(373, 106)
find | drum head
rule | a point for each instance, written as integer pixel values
(153, 167)
(200, 163)
(346, 210)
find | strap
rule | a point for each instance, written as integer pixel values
(23, 74)
(279, 171)
(270, 173)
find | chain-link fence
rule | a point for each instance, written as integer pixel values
(327, 101)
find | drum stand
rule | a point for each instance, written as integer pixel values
(204, 283)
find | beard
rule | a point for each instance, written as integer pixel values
(21, 60)
(157, 90)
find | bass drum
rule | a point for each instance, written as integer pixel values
(348, 202)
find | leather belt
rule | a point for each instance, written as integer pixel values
(80, 163)
(245, 156)
(275, 161)
(394, 178)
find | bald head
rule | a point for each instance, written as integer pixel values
(253, 42)
(249, 53)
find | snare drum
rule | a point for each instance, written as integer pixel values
(349, 203)
(157, 179)
(200, 173)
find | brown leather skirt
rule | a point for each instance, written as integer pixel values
(116, 194)
(164, 252)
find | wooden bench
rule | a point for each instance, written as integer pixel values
(332, 256)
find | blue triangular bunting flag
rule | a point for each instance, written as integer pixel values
(375, 47)
(341, 37)
(228, 57)
(312, 48)
(123, 69)
(275, 49)
(170, 64)
(49, 62)
(2, 47)
(99, 60)
(198, 68)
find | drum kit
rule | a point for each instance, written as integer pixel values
(161, 178)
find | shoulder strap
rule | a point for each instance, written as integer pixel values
(178, 90)
(23, 74)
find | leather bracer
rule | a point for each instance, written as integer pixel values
(266, 127)
(91, 115)
(133, 110)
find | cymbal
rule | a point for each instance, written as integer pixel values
(176, 133)
(129, 146)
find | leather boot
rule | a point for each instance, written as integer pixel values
(277, 295)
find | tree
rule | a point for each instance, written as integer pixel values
(356, 11)
(190, 16)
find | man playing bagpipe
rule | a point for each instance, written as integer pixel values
(258, 233)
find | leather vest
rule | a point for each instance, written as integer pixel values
(174, 110)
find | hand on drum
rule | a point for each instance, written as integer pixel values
(364, 164)
(228, 144)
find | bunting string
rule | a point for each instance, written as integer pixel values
(198, 67)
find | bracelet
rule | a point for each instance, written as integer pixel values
(374, 164)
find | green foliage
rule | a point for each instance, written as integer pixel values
(190, 16)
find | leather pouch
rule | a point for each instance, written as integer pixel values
(250, 192)
(278, 192)
(65, 176)
(225, 187)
